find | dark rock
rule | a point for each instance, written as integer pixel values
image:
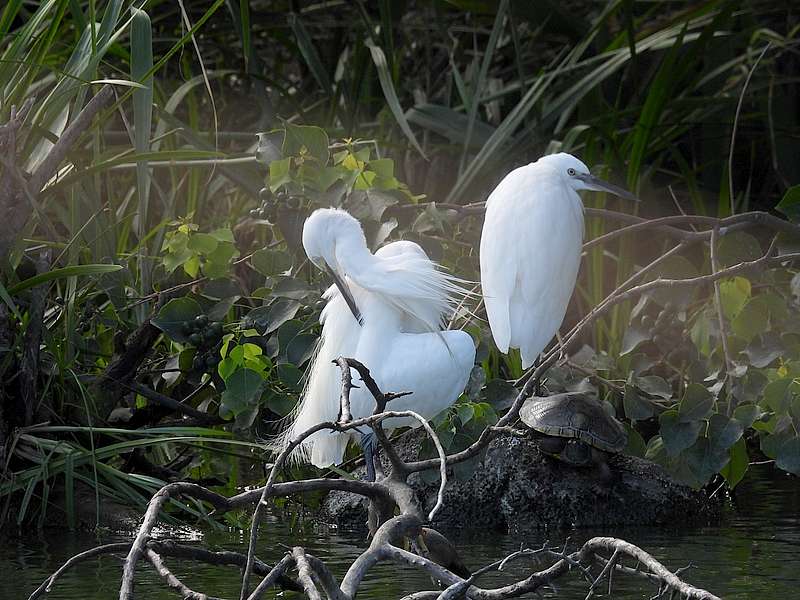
(516, 487)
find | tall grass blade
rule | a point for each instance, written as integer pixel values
(69, 490)
(477, 89)
(309, 52)
(390, 94)
(141, 65)
(62, 273)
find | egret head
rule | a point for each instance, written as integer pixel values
(330, 236)
(577, 176)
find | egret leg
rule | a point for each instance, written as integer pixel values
(368, 443)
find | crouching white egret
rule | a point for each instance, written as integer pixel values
(531, 250)
(386, 310)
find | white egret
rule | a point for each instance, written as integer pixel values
(531, 250)
(385, 310)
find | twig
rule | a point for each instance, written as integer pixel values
(172, 581)
(736, 124)
(304, 573)
(607, 570)
(173, 404)
(272, 577)
(655, 567)
(723, 331)
(47, 584)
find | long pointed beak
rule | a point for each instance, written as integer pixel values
(598, 185)
(346, 294)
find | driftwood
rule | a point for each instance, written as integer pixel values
(597, 561)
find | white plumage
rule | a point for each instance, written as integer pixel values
(531, 249)
(402, 298)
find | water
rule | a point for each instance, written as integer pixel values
(754, 553)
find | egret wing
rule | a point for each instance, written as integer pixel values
(319, 401)
(503, 252)
(530, 254)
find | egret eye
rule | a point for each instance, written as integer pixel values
(571, 172)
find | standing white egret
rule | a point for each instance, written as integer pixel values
(385, 310)
(531, 250)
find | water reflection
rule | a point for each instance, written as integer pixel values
(754, 554)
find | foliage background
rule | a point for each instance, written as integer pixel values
(404, 113)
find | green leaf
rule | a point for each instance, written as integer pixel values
(705, 460)
(63, 273)
(678, 435)
(227, 366)
(788, 456)
(737, 465)
(634, 335)
(674, 267)
(776, 395)
(747, 414)
(636, 445)
(385, 79)
(269, 318)
(313, 139)
(173, 260)
(734, 294)
(242, 392)
(655, 386)
(280, 173)
(752, 319)
(465, 412)
(191, 266)
(301, 348)
(290, 376)
(697, 403)
(500, 394)
(174, 314)
(289, 287)
(723, 432)
(737, 247)
(223, 234)
(271, 262)
(383, 167)
(203, 243)
(790, 203)
(636, 407)
(219, 310)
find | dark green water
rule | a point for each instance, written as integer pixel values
(754, 553)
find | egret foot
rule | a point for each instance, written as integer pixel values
(368, 444)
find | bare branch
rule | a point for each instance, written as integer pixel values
(173, 404)
(655, 567)
(151, 517)
(345, 416)
(172, 581)
(47, 584)
(304, 573)
(272, 577)
(723, 331)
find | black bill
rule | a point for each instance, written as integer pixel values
(346, 294)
